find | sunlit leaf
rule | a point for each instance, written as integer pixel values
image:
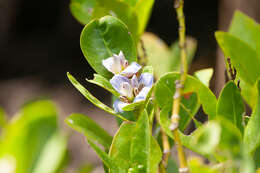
(237, 50)
(246, 29)
(143, 9)
(204, 75)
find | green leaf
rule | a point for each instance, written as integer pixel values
(237, 50)
(91, 98)
(102, 38)
(205, 139)
(204, 75)
(104, 157)
(52, 155)
(161, 57)
(140, 145)
(143, 10)
(26, 136)
(90, 129)
(120, 149)
(231, 106)
(94, 133)
(86, 10)
(252, 135)
(82, 10)
(125, 145)
(188, 109)
(246, 29)
(249, 92)
(165, 89)
(104, 83)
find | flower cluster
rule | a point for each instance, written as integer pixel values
(132, 86)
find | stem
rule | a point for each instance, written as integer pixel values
(179, 86)
(165, 145)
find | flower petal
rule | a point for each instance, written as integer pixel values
(118, 105)
(127, 90)
(112, 64)
(130, 70)
(142, 94)
(146, 79)
(134, 82)
(117, 81)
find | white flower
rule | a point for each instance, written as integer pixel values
(131, 91)
(117, 64)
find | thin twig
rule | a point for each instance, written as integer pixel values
(178, 5)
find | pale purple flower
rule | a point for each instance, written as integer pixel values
(117, 64)
(131, 90)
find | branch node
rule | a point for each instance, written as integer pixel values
(174, 126)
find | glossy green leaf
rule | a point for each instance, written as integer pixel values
(86, 10)
(231, 106)
(246, 29)
(252, 135)
(120, 148)
(104, 83)
(52, 155)
(91, 98)
(165, 89)
(237, 50)
(102, 38)
(204, 75)
(123, 12)
(161, 57)
(140, 145)
(90, 129)
(125, 145)
(26, 136)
